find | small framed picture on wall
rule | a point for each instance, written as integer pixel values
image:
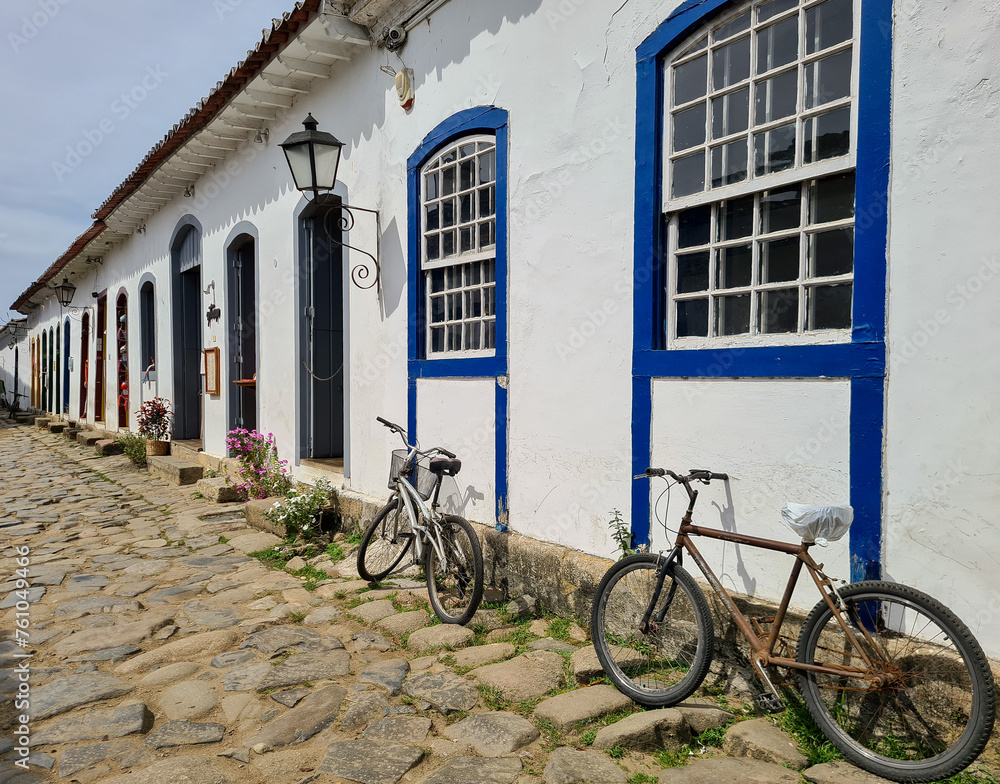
(212, 371)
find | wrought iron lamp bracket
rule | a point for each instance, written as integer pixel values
(362, 271)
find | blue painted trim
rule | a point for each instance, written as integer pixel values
(862, 360)
(642, 445)
(480, 119)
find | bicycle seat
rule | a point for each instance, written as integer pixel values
(445, 467)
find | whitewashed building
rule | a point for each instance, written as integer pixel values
(754, 236)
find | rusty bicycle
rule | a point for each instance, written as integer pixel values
(890, 675)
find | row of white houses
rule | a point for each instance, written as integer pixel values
(755, 236)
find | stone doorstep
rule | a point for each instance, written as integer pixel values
(217, 489)
(57, 427)
(108, 446)
(42, 422)
(173, 469)
(90, 437)
(72, 432)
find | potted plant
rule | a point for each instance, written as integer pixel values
(154, 425)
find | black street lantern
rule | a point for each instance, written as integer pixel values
(313, 156)
(65, 292)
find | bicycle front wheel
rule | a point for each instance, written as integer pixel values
(385, 542)
(666, 663)
(455, 587)
(930, 713)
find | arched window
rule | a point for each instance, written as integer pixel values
(147, 326)
(458, 199)
(760, 154)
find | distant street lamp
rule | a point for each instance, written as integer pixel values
(313, 156)
(65, 292)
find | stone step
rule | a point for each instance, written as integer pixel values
(108, 446)
(218, 489)
(72, 432)
(42, 422)
(89, 437)
(255, 513)
(57, 427)
(25, 417)
(176, 470)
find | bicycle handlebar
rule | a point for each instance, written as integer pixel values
(695, 474)
(402, 432)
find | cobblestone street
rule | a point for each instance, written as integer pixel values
(161, 651)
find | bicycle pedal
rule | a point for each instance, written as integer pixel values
(768, 703)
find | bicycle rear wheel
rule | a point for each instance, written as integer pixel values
(385, 542)
(933, 712)
(665, 664)
(455, 588)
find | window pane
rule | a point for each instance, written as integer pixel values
(689, 175)
(776, 97)
(729, 163)
(448, 241)
(487, 167)
(472, 333)
(433, 217)
(465, 208)
(730, 113)
(774, 151)
(780, 210)
(692, 318)
(768, 10)
(489, 270)
(487, 201)
(448, 157)
(455, 337)
(828, 24)
(832, 252)
(474, 274)
(827, 136)
(437, 280)
(696, 47)
(778, 44)
(831, 198)
(738, 25)
(731, 63)
(732, 315)
(466, 175)
(448, 212)
(779, 260)
(690, 80)
(490, 301)
(448, 180)
(692, 272)
(437, 339)
(431, 186)
(454, 306)
(437, 310)
(735, 267)
(485, 235)
(828, 79)
(779, 311)
(830, 307)
(474, 303)
(466, 150)
(466, 240)
(694, 227)
(689, 127)
(736, 218)
(433, 247)
(491, 334)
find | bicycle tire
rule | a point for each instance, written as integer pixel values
(664, 666)
(386, 541)
(935, 713)
(461, 587)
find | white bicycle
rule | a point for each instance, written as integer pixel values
(446, 545)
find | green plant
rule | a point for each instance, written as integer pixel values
(134, 447)
(642, 778)
(223, 540)
(335, 551)
(354, 537)
(616, 752)
(620, 533)
(588, 738)
(299, 511)
(261, 473)
(796, 721)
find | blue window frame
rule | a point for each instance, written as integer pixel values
(862, 359)
(478, 125)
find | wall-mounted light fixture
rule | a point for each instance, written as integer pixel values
(214, 313)
(262, 136)
(313, 157)
(64, 292)
(189, 192)
(141, 228)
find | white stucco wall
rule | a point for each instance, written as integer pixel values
(942, 416)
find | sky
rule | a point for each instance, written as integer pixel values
(88, 87)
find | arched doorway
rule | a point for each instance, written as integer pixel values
(56, 370)
(43, 402)
(185, 253)
(84, 363)
(321, 332)
(99, 360)
(66, 355)
(241, 260)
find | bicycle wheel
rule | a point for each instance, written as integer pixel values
(455, 588)
(385, 542)
(933, 712)
(665, 664)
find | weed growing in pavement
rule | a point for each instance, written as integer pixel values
(616, 752)
(673, 759)
(335, 551)
(588, 738)
(272, 557)
(796, 721)
(298, 616)
(354, 537)
(527, 707)
(552, 737)
(223, 540)
(559, 629)
(493, 698)
(642, 778)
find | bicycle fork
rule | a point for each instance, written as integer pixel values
(664, 568)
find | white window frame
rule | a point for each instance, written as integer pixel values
(478, 255)
(796, 175)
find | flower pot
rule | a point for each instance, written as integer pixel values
(157, 448)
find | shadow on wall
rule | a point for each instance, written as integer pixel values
(465, 501)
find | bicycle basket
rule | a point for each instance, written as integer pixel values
(416, 474)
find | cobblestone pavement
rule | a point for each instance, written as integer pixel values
(161, 651)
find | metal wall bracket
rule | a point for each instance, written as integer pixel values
(361, 272)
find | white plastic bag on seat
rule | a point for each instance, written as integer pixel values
(818, 524)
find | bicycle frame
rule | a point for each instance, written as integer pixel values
(414, 504)
(763, 650)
